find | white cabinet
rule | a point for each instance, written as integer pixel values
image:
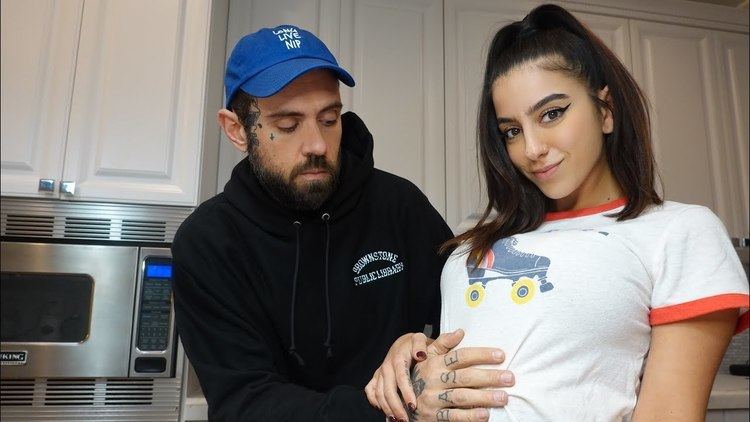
(676, 67)
(39, 46)
(127, 114)
(733, 69)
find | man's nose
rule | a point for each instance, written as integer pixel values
(314, 143)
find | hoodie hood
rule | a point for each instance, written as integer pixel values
(245, 192)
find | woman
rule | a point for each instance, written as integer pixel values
(583, 271)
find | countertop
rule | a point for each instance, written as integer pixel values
(730, 392)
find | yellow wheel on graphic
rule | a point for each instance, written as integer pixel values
(523, 290)
(474, 295)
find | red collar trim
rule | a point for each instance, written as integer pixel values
(561, 215)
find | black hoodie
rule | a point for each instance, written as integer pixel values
(286, 315)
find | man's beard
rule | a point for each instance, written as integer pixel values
(309, 196)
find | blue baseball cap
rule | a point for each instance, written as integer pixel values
(264, 62)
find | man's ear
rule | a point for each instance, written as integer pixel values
(608, 123)
(229, 121)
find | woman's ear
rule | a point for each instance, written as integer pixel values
(608, 124)
(229, 121)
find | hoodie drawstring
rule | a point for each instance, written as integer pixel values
(327, 343)
(292, 348)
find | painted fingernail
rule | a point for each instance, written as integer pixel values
(506, 377)
(421, 355)
(412, 407)
(391, 418)
(499, 396)
(498, 355)
(482, 414)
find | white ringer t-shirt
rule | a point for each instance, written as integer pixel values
(572, 303)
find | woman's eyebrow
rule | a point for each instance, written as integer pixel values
(533, 109)
(541, 103)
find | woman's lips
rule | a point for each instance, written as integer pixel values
(546, 172)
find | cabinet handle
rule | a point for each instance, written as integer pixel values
(46, 185)
(68, 187)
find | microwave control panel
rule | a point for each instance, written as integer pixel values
(156, 305)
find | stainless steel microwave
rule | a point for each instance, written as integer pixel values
(76, 310)
(87, 325)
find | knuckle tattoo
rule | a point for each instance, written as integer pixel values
(451, 358)
(445, 396)
(448, 377)
(443, 415)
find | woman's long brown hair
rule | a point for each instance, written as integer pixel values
(552, 37)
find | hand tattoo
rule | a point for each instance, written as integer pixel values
(417, 382)
(447, 377)
(445, 396)
(272, 137)
(451, 358)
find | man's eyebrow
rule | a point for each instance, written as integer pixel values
(539, 104)
(292, 113)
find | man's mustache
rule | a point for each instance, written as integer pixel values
(314, 162)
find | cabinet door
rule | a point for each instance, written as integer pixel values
(614, 32)
(39, 42)
(469, 28)
(394, 50)
(136, 118)
(734, 92)
(675, 66)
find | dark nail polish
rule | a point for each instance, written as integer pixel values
(391, 418)
(421, 355)
(412, 407)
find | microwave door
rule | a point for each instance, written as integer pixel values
(67, 309)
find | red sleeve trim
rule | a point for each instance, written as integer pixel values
(695, 308)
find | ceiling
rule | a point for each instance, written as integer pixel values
(732, 3)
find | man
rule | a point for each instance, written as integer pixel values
(292, 284)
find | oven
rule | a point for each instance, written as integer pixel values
(87, 316)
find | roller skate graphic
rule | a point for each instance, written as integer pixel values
(505, 262)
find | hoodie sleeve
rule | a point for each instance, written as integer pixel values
(232, 346)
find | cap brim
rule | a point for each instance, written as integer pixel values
(275, 78)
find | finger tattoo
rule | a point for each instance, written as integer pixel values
(451, 358)
(445, 396)
(443, 415)
(417, 383)
(447, 377)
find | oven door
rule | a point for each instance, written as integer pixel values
(67, 310)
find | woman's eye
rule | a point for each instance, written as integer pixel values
(329, 122)
(554, 114)
(511, 133)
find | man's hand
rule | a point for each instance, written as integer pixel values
(443, 386)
